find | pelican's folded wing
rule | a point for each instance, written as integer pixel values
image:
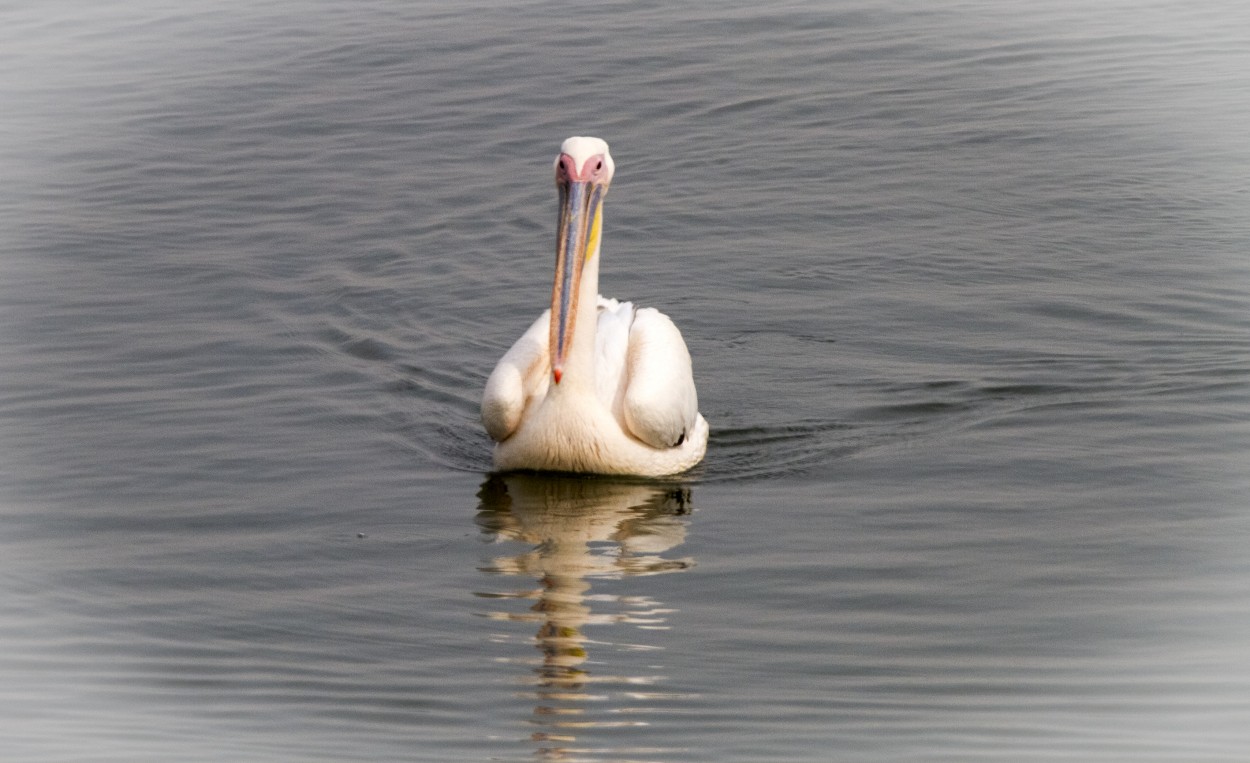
(660, 405)
(520, 375)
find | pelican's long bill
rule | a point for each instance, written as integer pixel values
(577, 239)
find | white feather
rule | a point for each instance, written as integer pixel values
(660, 399)
(520, 376)
(611, 350)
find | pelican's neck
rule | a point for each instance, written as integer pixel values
(579, 365)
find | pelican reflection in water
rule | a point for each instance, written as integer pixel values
(578, 530)
(595, 385)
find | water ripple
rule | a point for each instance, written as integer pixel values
(578, 532)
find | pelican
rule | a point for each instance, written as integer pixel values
(594, 385)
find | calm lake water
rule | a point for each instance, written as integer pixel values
(966, 284)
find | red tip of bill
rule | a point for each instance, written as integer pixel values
(556, 374)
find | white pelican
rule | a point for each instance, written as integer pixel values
(594, 385)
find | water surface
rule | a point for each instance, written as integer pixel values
(965, 285)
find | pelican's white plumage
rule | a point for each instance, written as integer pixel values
(617, 399)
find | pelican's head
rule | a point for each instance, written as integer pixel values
(583, 171)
